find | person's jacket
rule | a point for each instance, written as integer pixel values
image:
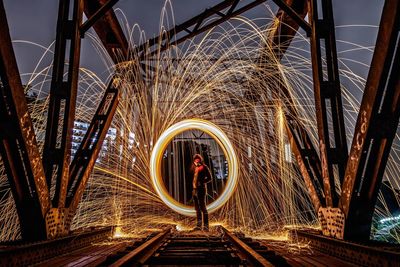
(203, 175)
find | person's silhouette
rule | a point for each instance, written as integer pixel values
(201, 176)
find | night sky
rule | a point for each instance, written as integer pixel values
(35, 21)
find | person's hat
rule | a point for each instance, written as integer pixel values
(198, 156)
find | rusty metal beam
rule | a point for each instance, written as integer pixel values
(38, 253)
(18, 147)
(86, 155)
(375, 129)
(61, 111)
(294, 14)
(97, 15)
(109, 30)
(328, 99)
(285, 27)
(308, 161)
(353, 253)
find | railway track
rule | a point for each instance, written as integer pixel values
(169, 247)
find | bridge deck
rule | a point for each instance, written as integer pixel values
(218, 247)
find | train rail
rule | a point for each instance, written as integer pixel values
(167, 248)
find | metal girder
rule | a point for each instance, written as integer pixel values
(103, 19)
(86, 155)
(18, 147)
(96, 16)
(375, 129)
(63, 91)
(353, 253)
(108, 29)
(286, 27)
(36, 253)
(308, 161)
(328, 99)
(194, 26)
(293, 13)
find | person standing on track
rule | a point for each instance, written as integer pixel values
(201, 176)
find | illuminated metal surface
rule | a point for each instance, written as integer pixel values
(158, 151)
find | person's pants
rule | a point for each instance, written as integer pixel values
(200, 206)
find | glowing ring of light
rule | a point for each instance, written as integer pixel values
(158, 151)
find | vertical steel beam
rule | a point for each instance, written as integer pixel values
(375, 129)
(18, 146)
(333, 150)
(86, 155)
(61, 112)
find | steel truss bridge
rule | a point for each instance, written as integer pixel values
(344, 217)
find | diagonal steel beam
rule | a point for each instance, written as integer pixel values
(375, 129)
(308, 161)
(109, 30)
(221, 12)
(18, 147)
(200, 23)
(285, 28)
(86, 155)
(292, 12)
(97, 15)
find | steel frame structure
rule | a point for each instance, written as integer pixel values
(360, 173)
(52, 215)
(375, 129)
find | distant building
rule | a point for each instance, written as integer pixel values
(79, 131)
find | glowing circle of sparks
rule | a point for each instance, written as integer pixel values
(157, 153)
